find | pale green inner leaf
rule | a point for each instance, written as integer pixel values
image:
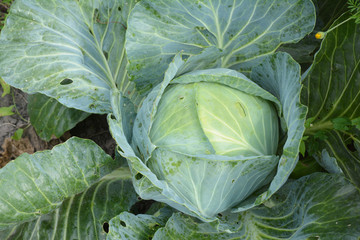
(237, 123)
(176, 125)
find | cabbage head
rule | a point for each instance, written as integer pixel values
(215, 144)
(212, 141)
(214, 138)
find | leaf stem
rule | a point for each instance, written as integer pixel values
(337, 25)
(16, 109)
(328, 125)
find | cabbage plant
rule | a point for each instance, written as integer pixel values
(232, 120)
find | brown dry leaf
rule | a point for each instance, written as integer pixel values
(13, 149)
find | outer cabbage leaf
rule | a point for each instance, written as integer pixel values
(72, 51)
(342, 157)
(33, 185)
(280, 75)
(326, 13)
(318, 206)
(332, 92)
(128, 226)
(49, 117)
(83, 216)
(244, 30)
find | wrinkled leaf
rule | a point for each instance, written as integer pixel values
(348, 161)
(318, 206)
(327, 162)
(49, 117)
(33, 185)
(332, 87)
(245, 31)
(83, 216)
(72, 51)
(128, 226)
(335, 105)
(327, 13)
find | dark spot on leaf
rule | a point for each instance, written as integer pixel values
(181, 98)
(123, 223)
(106, 55)
(113, 117)
(351, 146)
(106, 227)
(66, 81)
(138, 176)
(119, 8)
(232, 181)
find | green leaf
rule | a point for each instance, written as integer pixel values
(348, 161)
(6, 111)
(332, 87)
(72, 51)
(320, 135)
(83, 216)
(18, 134)
(49, 117)
(319, 206)
(341, 123)
(327, 162)
(140, 227)
(354, 6)
(245, 31)
(302, 147)
(356, 122)
(335, 105)
(5, 87)
(328, 12)
(308, 122)
(33, 185)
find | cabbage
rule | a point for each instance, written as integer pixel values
(214, 137)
